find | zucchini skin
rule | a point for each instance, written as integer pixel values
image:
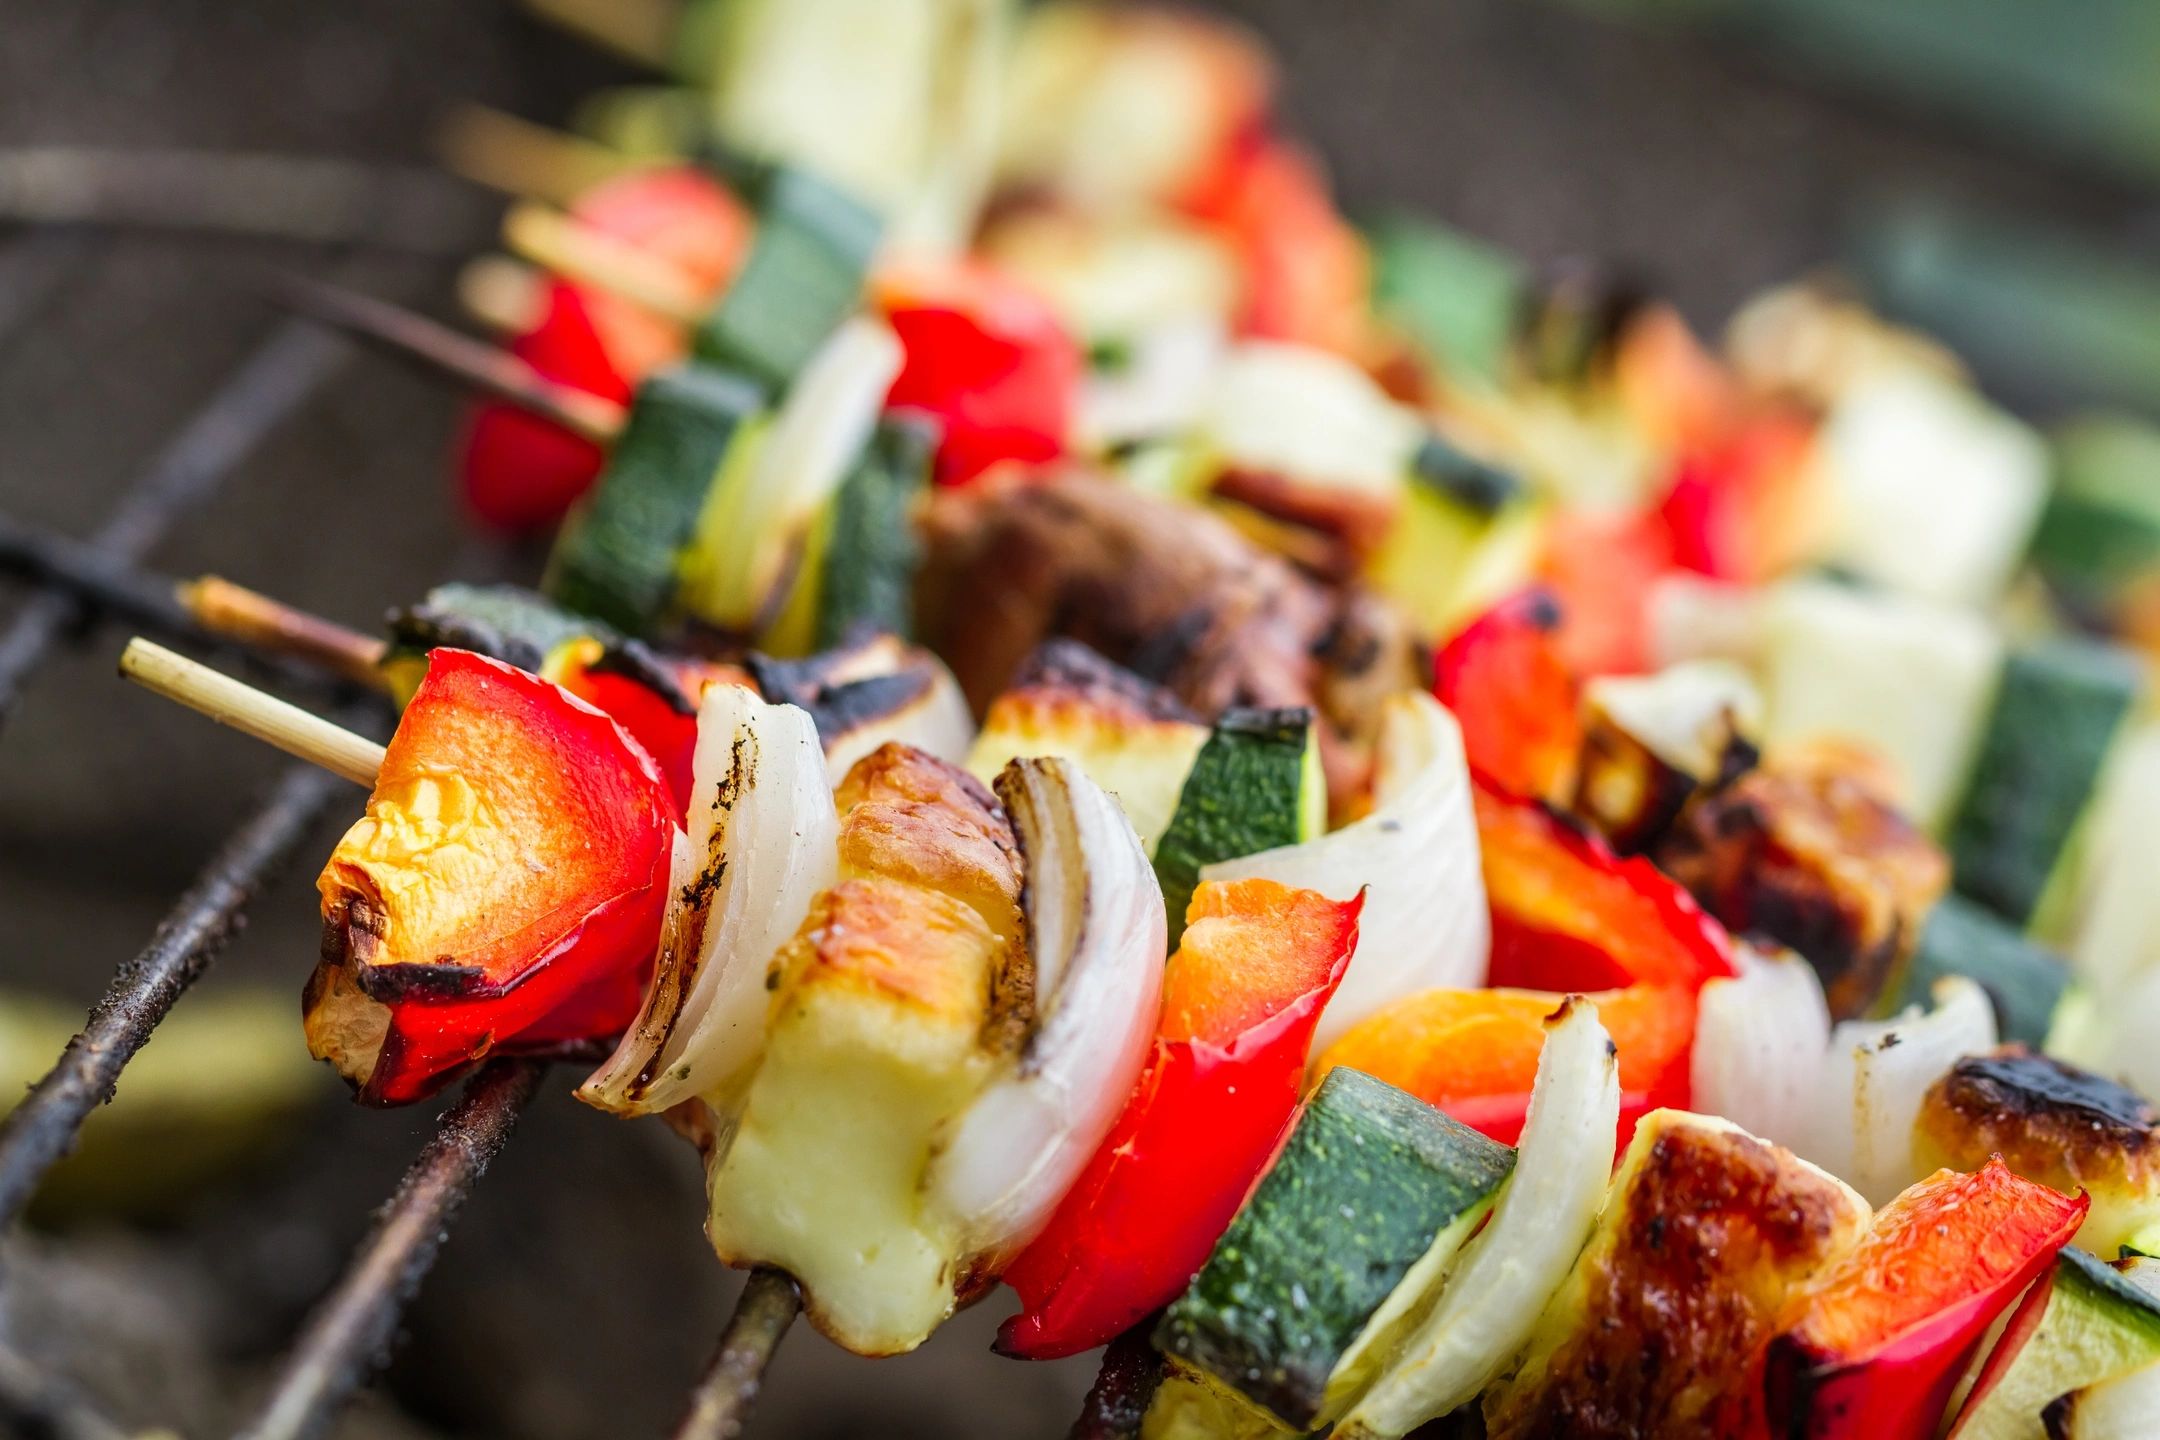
(1367, 1179)
(803, 277)
(2057, 710)
(872, 552)
(1242, 796)
(617, 558)
(2025, 982)
(506, 622)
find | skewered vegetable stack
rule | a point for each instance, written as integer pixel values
(1420, 759)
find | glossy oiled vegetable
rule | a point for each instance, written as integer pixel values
(503, 891)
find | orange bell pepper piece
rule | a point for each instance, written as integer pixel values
(1514, 696)
(1474, 1053)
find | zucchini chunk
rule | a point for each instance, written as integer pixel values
(1255, 785)
(803, 277)
(1128, 736)
(509, 623)
(2080, 1326)
(2058, 709)
(870, 550)
(1340, 1248)
(2027, 984)
(1706, 1233)
(617, 556)
(1803, 851)
(906, 981)
(2054, 1123)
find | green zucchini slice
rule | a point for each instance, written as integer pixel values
(2026, 982)
(2085, 1325)
(804, 276)
(2058, 708)
(1255, 786)
(618, 555)
(1336, 1252)
(871, 550)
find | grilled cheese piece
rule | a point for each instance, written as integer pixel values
(1706, 1232)
(903, 994)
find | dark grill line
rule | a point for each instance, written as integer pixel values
(43, 1127)
(351, 1330)
(268, 386)
(720, 1405)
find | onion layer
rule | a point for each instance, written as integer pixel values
(1875, 1078)
(1425, 924)
(1489, 1306)
(763, 842)
(1098, 938)
(1761, 1041)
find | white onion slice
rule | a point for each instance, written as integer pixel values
(1099, 937)
(2130, 1023)
(1761, 1041)
(1875, 1078)
(1425, 924)
(2124, 1408)
(1503, 1281)
(763, 842)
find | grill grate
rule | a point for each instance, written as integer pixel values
(351, 1329)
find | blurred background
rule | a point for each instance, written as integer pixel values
(1985, 169)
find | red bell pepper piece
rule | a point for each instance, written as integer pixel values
(1474, 1053)
(517, 471)
(1875, 1347)
(1736, 507)
(503, 892)
(1306, 272)
(1569, 915)
(1514, 696)
(655, 702)
(988, 358)
(1258, 963)
(1601, 568)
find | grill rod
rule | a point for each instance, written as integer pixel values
(350, 1332)
(720, 1405)
(43, 1127)
(268, 386)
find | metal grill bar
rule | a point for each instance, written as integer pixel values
(351, 1330)
(33, 1404)
(720, 1405)
(273, 381)
(43, 1127)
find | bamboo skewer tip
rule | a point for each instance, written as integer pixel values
(251, 711)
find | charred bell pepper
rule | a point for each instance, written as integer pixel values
(1569, 915)
(988, 359)
(1258, 963)
(503, 891)
(1875, 1347)
(1473, 1054)
(653, 697)
(1514, 696)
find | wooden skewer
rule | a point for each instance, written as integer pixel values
(477, 363)
(250, 711)
(638, 30)
(506, 296)
(510, 154)
(554, 241)
(261, 623)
